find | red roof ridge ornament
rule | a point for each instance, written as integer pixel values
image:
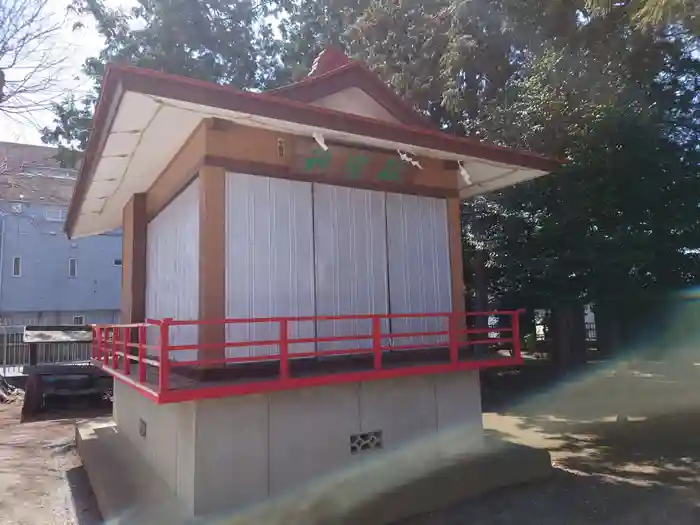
(327, 60)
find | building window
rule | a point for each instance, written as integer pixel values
(55, 214)
(17, 267)
(72, 267)
(117, 262)
(78, 319)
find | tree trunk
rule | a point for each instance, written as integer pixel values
(568, 333)
(607, 326)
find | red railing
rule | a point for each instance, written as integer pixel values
(156, 371)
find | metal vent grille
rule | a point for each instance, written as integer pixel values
(366, 441)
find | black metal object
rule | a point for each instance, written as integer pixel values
(58, 334)
(60, 381)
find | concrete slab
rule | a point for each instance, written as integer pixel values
(126, 488)
(386, 487)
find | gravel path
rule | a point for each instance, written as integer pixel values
(41, 479)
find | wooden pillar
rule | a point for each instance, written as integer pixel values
(212, 259)
(454, 234)
(134, 260)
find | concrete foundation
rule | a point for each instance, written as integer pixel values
(397, 485)
(127, 489)
(224, 453)
(329, 452)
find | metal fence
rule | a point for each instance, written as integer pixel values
(591, 333)
(14, 352)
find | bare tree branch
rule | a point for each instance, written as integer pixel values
(31, 57)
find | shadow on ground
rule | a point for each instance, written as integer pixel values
(82, 498)
(660, 450)
(638, 420)
(624, 436)
(573, 499)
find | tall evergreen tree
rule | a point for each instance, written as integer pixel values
(650, 13)
(218, 41)
(619, 103)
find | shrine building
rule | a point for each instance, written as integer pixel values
(293, 301)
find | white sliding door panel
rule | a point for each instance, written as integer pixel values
(419, 266)
(172, 269)
(350, 260)
(269, 260)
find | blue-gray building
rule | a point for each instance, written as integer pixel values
(45, 278)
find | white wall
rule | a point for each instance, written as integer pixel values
(269, 259)
(419, 265)
(172, 268)
(350, 260)
(301, 249)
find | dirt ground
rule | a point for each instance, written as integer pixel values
(625, 441)
(41, 478)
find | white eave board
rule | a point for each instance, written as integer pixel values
(148, 131)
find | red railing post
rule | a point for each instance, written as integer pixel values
(127, 350)
(142, 353)
(515, 325)
(377, 341)
(115, 336)
(453, 336)
(105, 353)
(284, 349)
(164, 372)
